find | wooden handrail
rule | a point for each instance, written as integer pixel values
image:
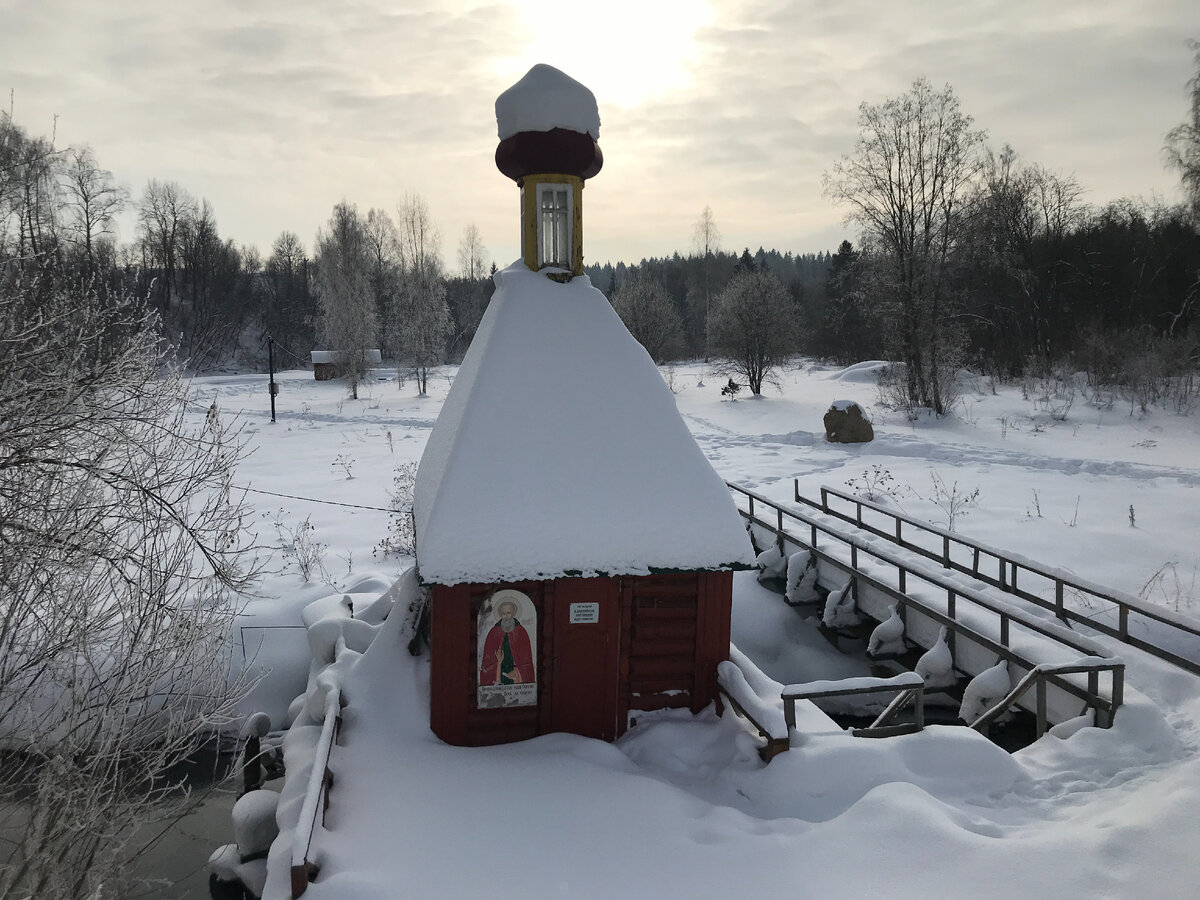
(736, 690)
(1006, 579)
(1056, 632)
(1060, 634)
(1040, 673)
(908, 686)
(316, 798)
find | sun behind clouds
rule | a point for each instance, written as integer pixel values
(624, 50)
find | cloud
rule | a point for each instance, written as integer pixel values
(277, 109)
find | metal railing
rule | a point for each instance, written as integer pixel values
(1007, 617)
(1006, 577)
(316, 798)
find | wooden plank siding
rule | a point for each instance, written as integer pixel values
(665, 635)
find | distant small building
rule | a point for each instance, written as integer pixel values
(577, 546)
(325, 362)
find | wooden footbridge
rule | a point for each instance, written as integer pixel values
(998, 609)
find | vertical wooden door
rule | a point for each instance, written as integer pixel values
(586, 657)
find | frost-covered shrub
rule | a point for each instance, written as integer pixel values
(401, 537)
(124, 546)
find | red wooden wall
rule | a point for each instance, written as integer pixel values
(656, 645)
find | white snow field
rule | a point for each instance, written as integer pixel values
(682, 806)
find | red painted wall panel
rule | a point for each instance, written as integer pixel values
(657, 645)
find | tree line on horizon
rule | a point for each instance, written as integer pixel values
(963, 253)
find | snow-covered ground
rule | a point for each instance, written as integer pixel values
(682, 805)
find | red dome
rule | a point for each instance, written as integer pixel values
(558, 152)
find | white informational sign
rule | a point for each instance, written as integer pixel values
(585, 613)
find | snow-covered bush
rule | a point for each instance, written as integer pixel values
(953, 503)
(302, 547)
(876, 483)
(401, 537)
(122, 547)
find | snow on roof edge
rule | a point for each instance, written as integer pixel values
(544, 99)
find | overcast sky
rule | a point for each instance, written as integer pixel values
(275, 110)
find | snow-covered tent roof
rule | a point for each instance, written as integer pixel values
(560, 451)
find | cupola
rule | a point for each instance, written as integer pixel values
(549, 127)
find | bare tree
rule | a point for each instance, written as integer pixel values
(349, 320)
(1183, 142)
(94, 200)
(707, 240)
(1020, 216)
(287, 311)
(162, 217)
(752, 324)
(383, 243)
(650, 315)
(906, 185)
(29, 194)
(468, 296)
(421, 322)
(122, 546)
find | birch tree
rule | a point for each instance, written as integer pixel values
(1183, 142)
(648, 312)
(707, 240)
(468, 295)
(421, 322)
(163, 214)
(93, 201)
(349, 320)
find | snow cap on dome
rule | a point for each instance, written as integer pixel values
(546, 99)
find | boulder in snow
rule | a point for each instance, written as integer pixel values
(845, 423)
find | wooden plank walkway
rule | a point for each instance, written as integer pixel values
(985, 622)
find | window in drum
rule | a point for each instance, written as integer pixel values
(555, 226)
